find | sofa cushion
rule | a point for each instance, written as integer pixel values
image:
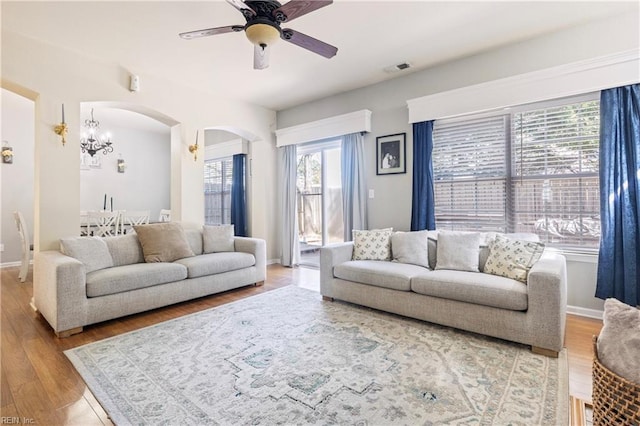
(216, 263)
(473, 287)
(512, 258)
(194, 238)
(396, 276)
(125, 249)
(458, 251)
(132, 277)
(410, 247)
(91, 251)
(218, 238)
(372, 245)
(163, 242)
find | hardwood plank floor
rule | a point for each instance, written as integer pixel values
(38, 384)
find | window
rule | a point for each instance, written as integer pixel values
(469, 167)
(534, 169)
(217, 191)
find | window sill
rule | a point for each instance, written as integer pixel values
(585, 256)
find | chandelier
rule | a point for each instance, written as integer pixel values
(90, 142)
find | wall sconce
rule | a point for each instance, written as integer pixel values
(121, 165)
(61, 129)
(194, 148)
(7, 153)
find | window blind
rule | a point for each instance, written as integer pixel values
(217, 191)
(470, 174)
(532, 170)
(555, 167)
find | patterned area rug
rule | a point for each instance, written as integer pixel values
(287, 357)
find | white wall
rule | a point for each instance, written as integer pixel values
(17, 127)
(145, 183)
(387, 101)
(57, 180)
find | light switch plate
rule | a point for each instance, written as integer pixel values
(371, 194)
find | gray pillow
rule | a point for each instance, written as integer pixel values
(217, 239)
(458, 251)
(194, 238)
(163, 242)
(411, 247)
(619, 340)
(91, 251)
(125, 249)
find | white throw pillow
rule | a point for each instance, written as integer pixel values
(372, 245)
(93, 252)
(411, 247)
(218, 238)
(512, 258)
(458, 251)
(619, 340)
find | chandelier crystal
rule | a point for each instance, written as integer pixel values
(90, 142)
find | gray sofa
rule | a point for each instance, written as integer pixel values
(72, 293)
(532, 313)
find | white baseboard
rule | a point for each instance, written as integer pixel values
(273, 261)
(12, 264)
(584, 312)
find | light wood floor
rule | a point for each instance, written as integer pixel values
(40, 386)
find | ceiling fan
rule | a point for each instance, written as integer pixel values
(263, 27)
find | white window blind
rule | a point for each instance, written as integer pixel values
(470, 174)
(533, 170)
(217, 191)
(555, 167)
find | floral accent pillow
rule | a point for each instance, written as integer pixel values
(372, 245)
(512, 258)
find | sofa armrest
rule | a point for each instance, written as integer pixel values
(547, 291)
(59, 290)
(330, 256)
(258, 248)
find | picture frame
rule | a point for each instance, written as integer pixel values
(391, 154)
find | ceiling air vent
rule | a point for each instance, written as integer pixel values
(399, 67)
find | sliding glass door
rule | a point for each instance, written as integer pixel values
(319, 200)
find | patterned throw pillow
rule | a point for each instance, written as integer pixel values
(512, 258)
(372, 245)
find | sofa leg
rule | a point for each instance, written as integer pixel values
(327, 298)
(545, 352)
(67, 333)
(259, 283)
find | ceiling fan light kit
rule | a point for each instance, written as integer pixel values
(263, 27)
(262, 33)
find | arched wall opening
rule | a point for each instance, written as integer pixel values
(224, 142)
(136, 175)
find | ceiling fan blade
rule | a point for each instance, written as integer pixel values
(309, 43)
(296, 8)
(242, 7)
(260, 57)
(211, 31)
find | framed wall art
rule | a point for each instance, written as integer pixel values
(391, 154)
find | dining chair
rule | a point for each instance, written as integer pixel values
(165, 215)
(27, 247)
(84, 223)
(129, 218)
(103, 224)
